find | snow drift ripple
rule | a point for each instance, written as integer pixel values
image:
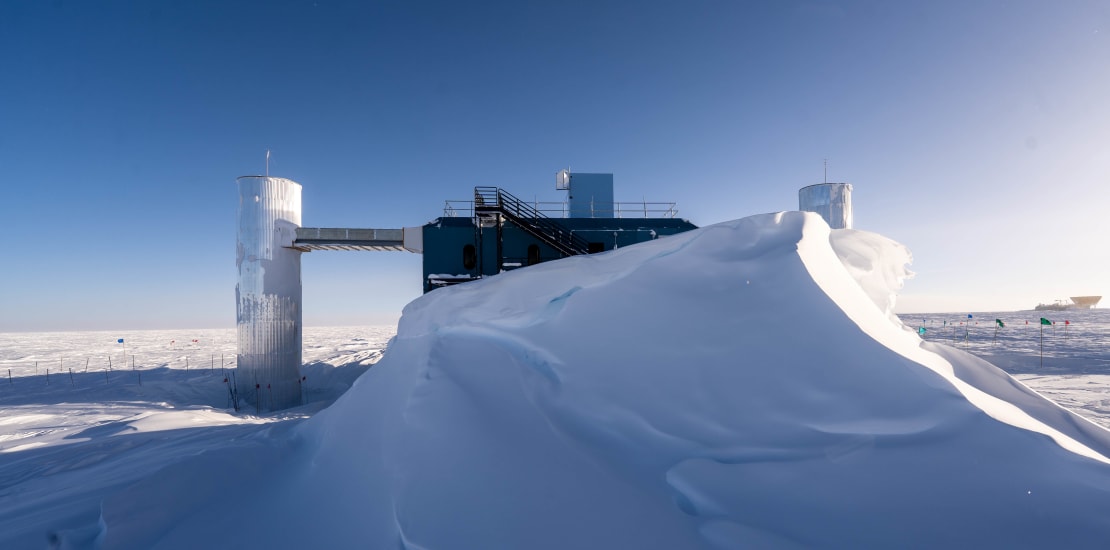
(732, 386)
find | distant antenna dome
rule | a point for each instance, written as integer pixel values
(562, 180)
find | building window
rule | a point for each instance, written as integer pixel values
(595, 247)
(470, 259)
(533, 254)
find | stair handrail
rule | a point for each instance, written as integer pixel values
(495, 199)
(486, 198)
(555, 230)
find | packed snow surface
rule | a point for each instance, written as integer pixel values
(740, 385)
(74, 429)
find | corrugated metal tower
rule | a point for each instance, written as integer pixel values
(268, 296)
(833, 201)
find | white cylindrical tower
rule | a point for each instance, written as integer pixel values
(268, 296)
(833, 201)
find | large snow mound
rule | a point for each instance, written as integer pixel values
(741, 385)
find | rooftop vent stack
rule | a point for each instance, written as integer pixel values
(268, 296)
(833, 201)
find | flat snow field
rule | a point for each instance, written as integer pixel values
(82, 416)
(68, 440)
(1068, 363)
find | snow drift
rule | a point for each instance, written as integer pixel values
(740, 385)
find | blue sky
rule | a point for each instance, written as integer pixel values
(976, 133)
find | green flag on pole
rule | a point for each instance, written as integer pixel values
(1045, 321)
(1000, 323)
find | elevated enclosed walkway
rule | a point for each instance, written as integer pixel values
(377, 240)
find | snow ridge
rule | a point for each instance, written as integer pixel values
(733, 386)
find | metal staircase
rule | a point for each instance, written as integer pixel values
(491, 201)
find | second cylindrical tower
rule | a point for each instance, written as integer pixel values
(268, 296)
(833, 201)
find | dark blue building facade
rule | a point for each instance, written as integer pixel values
(498, 232)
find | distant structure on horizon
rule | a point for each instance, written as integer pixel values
(1077, 302)
(833, 201)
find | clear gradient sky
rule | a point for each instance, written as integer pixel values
(975, 132)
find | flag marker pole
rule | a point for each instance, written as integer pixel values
(1042, 342)
(967, 330)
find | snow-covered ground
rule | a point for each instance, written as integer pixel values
(742, 385)
(69, 440)
(1073, 370)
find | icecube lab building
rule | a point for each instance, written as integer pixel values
(489, 233)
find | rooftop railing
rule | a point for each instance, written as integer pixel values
(551, 209)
